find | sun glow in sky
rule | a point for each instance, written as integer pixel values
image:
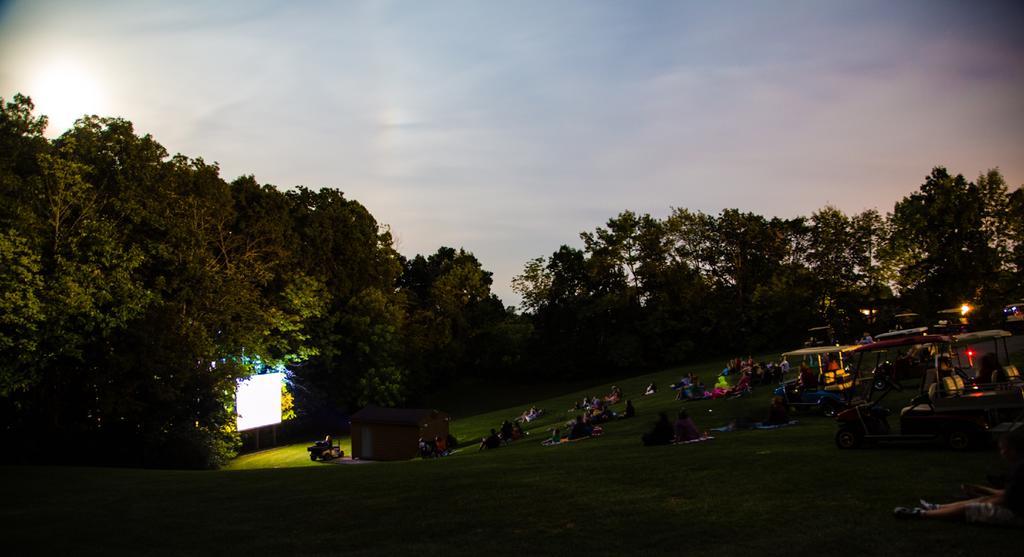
(64, 90)
(507, 128)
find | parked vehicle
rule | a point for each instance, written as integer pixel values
(947, 409)
(997, 337)
(835, 383)
(820, 336)
(325, 450)
(898, 357)
(953, 321)
(1013, 317)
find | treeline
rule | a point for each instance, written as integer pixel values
(648, 292)
(137, 287)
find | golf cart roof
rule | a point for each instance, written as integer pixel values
(902, 333)
(907, 314)
(957, 310)
(1013, 305)
(978, 336)
(814, 350)
(903, 341)
(822, 328)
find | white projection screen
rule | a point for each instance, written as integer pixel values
(258, 400)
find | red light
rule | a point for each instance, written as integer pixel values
(970, 352)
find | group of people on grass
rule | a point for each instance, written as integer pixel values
(690, 387)
(505, 434)
(438, 446)
(665, 433)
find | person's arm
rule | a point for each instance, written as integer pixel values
(975, 489)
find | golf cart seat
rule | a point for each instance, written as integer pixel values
(837, 380)
(976, 400)
(1012, 372)
(953, 385)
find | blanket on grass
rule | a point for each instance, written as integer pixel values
(692, 441)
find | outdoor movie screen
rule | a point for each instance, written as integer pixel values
(258, 400)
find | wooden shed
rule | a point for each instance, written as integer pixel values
(394, 433)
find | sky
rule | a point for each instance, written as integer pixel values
(507, 128)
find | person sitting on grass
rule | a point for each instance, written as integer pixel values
(580, 428)
(778, 414)
(517, 431)
(425, 451)
(629, 412)
(492, 441)
(556, 437)
(651, 389)
(440, 446)
(660, 434)
(694, 391)
(506, 431)
(685, 429)
(615, 396)
(742, 386)
(998, 507)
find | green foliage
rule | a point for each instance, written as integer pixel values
(137, 288)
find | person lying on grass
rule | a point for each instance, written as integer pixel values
(685, 429)
(684, 382)
(532, 414)
(660, 434)
(999, 507)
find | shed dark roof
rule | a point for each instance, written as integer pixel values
(398, 416)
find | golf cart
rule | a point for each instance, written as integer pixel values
(967, 341)
(820, 336)
(946, 409)
(325, 450)
(897, 333)
(952, 321)
(835, 383)
(897, 356)
(1013, 315)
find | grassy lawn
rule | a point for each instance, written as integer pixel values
(782, 492)
(287, 456)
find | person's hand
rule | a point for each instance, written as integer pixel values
(975, 490)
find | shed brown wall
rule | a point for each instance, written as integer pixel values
(388, 441)
(394, 442)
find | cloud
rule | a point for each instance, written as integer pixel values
(507, 128)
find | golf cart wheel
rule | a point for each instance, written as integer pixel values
(848, 439)
(312, 456)
(959, 440)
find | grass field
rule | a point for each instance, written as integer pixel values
(782, 492)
